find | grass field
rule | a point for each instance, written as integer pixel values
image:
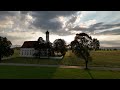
(31, 72)
(100, 58)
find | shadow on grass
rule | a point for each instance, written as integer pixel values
(33, 71)
(38, 72)
(88, 70)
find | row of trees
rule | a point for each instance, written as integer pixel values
(58, 46)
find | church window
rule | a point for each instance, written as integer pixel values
(22, 52)
(25, 52)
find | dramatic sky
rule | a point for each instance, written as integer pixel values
(20, 26)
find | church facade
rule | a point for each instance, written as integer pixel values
(28, 48)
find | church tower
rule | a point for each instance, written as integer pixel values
(47, 36)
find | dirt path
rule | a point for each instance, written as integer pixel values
(63, 66)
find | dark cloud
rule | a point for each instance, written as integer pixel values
(3, 14)
(47, 24)
(7, 13)
(77, 28)
(43, 19)
(51, 14)
(99, 26)
(96, 26)
(91, 28)
(63, 33)
(112, 32)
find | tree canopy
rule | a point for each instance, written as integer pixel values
(59, 45)
(5, 48)
(81, 46)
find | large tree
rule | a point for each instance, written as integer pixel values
(81, 46)
(59, 45)
(83, 51)
(5, 48)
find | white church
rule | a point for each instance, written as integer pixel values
(28, 47)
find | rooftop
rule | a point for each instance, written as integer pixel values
(29, 44)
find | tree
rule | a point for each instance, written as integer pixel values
(59, 45)
(38, 46)
(5, 48)
(80, 46)
(43, 48)
(11, 51)
(83, 52)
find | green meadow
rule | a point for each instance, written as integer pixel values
(99, 58)
(34, 72)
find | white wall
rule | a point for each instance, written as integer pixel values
(27, 52)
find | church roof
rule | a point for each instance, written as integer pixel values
(29, 44)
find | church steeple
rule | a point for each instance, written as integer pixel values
(47, 36)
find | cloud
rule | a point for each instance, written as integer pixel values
(108, 40)
(15, 21)
(7, 13)
(44, 19)
(19, 37)
(115, 43)
(19, 26)
(112, 32)
(99, 28)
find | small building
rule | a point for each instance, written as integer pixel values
(28, 47)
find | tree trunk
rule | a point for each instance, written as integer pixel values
(86, 64)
